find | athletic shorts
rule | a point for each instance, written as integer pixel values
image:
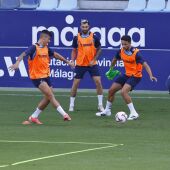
(37, 82)
(81, 70)
(124, 79)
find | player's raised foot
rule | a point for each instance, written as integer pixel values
(100, 108)
(104, 113)
(71, 109)
(133, 116)
(66, 117)
(35, 120)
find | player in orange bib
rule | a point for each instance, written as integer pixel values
(86, 50)
(39, 72)
(133, 64)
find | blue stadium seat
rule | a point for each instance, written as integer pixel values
(167, 9)
(67, 5)
(29, 4)
(102, 4)
(48, 5)
(9, 4)
(136, 5)
(155, 5)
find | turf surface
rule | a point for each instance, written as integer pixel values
(146, 141)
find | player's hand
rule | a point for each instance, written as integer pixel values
(14, 67)
(152, 78)
(71, 64)
(91, 63)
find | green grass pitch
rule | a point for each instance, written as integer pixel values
(146, 141)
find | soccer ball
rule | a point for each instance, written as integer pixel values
(121, 117)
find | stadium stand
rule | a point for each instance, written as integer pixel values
(122, 5)
(67, 5)
(29, 4)
(103, 4)
(136, 5)
(12, 4)
(51, 5)
(155, 5)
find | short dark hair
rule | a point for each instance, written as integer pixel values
(85, 21)
(126, 38)
(49, 33)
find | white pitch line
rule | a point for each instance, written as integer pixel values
(39, 95)
(48, 142)
(3, 166)
(64, 154)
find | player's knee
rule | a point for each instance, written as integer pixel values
(123, 92)
(111, 91)
(76, 84)
(49, 96)
(98, 84)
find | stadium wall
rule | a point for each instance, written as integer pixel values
(20, 29)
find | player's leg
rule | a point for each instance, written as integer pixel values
(129, 85)
(99, 89)
(79, 73)
(74, 88)
(111, 95)
(41, 106)
(46, 90)
(116, 86)
(125, 93)
(95, 74)
(43, 103)
(112, 91)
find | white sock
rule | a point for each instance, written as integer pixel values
(61, 111)
(72, 99)
(131, 108)
(100, 100)
(108, 105)
(36, 113)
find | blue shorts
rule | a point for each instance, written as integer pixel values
(37, 82)
(132, 81)
(81, 70)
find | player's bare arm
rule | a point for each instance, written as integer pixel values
(19, 59)
(98, 52)
(73, 55)
(149, 71)
(60, 57)
(113, 62)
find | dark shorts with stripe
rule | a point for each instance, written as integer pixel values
(37, 82)
(81, 70)
(124, 79)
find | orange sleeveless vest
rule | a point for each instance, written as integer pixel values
(131, 67)
(39, 65)
(86, 50)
